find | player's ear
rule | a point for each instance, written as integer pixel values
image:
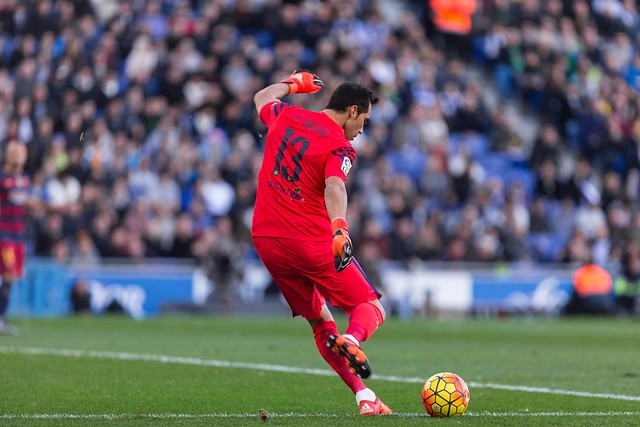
(353, 111)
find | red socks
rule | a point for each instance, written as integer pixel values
(321, 333)
(363, 321)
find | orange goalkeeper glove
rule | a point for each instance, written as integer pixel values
(303, 81)
(342, 246)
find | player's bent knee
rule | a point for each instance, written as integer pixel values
(379, 306)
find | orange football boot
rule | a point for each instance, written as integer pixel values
(356, 359)
(368, 408)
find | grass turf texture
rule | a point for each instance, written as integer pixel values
(587, 355)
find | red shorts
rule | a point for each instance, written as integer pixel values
(306, 276)
(11, 258)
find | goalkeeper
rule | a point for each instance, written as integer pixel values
(299, 228)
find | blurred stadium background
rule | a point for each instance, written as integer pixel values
(503, 155)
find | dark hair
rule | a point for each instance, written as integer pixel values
(348, 94)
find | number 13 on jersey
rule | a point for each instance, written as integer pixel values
(296, 157)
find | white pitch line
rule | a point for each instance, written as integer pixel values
(554, 414)
(301, 415)
(287, 369)
(547, 390)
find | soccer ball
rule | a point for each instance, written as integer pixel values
(445, 395)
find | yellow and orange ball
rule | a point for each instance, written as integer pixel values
(445, 395)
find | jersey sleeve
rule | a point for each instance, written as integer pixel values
(270, 111)
(339, 163)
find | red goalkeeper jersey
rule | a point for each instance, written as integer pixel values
(302, 149)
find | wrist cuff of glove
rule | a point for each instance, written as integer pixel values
(293, 87)
(339, 223)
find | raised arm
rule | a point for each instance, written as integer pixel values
(274, 92)
(301, 81)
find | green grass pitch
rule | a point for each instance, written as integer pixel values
(197, 371)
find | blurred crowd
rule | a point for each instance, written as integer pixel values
(143, 140)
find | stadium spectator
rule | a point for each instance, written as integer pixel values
(453, 21)
(592, 290)
(220, 260)
(546, 147)
(80, 298)
(627, 283)
(14, 197)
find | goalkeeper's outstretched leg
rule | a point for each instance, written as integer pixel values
(325, 330)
